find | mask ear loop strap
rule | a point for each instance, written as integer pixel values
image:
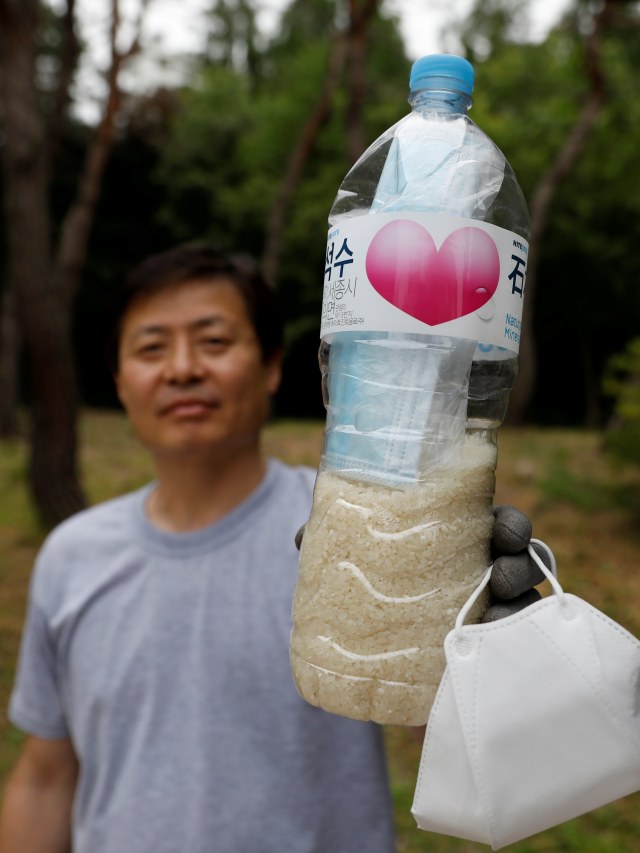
(475, 595)
(550, 574)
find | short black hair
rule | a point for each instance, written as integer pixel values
(200, 262)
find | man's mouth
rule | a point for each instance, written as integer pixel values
(188, 407)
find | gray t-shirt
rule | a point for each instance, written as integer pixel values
(165, 658)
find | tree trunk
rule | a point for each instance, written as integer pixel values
(317, 119)
(42, 316)
(69, 56)
(346, 46)
(9, 365)
(45, 287)
(10, 338)
(541, 202)
(360, 15)
(73, 244)
(76, 228)
(591, 385)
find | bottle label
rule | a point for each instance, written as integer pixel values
(425, 273)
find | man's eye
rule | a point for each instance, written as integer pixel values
(150, 348)
(216, 342)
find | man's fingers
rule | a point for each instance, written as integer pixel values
(516, 573)
(511, 531)
(508, 608)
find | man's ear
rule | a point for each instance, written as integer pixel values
(274, 371)
(116, 383)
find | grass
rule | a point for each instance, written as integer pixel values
(587, 509)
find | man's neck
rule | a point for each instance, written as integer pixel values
(195, 492)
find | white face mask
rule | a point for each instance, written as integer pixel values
(536, 721)
(397, 408)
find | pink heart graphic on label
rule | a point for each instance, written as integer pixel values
(433, 285)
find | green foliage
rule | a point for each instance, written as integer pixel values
(528, 98)
(229, 145)
(302, 22)
(207, 161)
(231, 140)
(13, 496)
(622, 382)
(559, 484)
(233, 36)
(198, 164)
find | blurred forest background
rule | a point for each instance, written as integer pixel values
(111, 149)
(246, 148)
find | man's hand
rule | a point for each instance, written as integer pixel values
(514, 572)
(36, 813)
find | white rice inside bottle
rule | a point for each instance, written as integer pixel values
(383, 574)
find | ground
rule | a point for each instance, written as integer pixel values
(584, 506)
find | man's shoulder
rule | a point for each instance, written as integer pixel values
(302, 475)
(79, 551)
(294, 479)
(102, 521)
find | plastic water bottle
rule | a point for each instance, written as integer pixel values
(423, 292)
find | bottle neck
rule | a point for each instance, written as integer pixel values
(441, 100)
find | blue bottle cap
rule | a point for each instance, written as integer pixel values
(442, 71)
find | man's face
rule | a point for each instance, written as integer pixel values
(191, 375)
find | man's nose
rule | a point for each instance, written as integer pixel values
(183, 362)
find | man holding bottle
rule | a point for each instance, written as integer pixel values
(154, 679)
